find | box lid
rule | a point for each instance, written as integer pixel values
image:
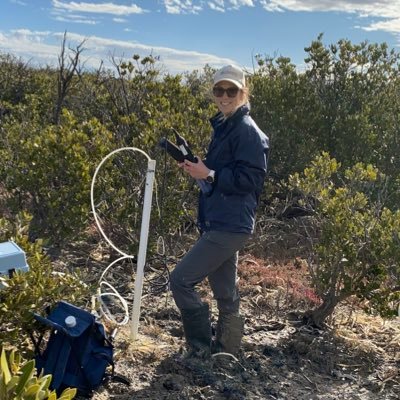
(9, 248)
(11, 257)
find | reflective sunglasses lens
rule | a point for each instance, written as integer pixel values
(232, 91)
(218, 92)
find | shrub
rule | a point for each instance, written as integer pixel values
(48, 172)
(19, 381)
(357, 249)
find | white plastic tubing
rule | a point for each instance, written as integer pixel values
(141, 259)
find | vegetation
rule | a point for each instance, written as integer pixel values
(19, 380)
(355, 243)
(56, 125)
(345, 103)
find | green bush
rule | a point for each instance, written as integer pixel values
(345, 102)
(355, 243)
(48, 173)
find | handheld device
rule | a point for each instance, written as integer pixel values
(179, 151)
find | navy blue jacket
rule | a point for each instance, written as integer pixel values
(238, 153)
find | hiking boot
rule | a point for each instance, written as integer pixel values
(197, 329)
(230, 328)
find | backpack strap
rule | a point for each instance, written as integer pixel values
(36, 341)
(120, 379)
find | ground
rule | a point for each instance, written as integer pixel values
(356, 357)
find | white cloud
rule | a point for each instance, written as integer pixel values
(44, 48)
(221, 5)
(217, 5)
(382, 8)
(30, 45)
(19, 2)
(392, 25)
(241, 3)
(385, 9)
(77, 19)
(101, 8)
(269, 6)
(332, 5)
(119, 20)
(182, 6)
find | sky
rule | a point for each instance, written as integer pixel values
(185, 34)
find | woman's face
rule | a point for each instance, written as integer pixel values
(227, 97)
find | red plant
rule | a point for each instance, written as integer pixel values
(292, 277)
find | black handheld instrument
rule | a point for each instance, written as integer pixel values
(179, 151)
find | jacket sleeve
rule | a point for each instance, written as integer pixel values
(247, 172)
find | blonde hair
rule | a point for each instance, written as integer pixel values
(246, 94)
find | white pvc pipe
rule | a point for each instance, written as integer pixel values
(144, 233)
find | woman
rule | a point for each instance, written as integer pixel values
(234, 171)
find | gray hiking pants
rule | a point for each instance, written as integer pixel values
(215, 255)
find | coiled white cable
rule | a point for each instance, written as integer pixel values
(105, 311)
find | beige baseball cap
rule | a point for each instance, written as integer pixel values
(230, 73)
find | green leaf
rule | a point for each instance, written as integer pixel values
(12, 383)
(11, 358)
(68, 394)
(52, 396)
(27, 373)
(45, 382)
(4, 367)
(3, 388)
(31, 392)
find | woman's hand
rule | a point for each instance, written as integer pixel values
(196, 170)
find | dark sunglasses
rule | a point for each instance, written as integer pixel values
(230, 92)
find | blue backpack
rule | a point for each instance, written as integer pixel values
(78, 353)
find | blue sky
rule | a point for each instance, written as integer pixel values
(187, 34)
